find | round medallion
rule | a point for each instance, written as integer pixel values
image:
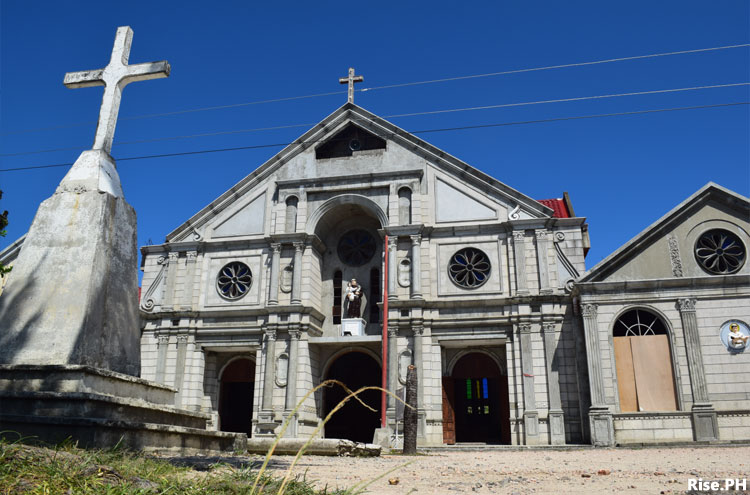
(469, 268)
(720, 252)
(735, 335)
(234, 280)
(356, 247)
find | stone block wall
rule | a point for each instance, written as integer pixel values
(653, 428)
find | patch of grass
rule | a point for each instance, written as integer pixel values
(66, 469)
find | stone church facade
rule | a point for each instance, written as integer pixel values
(242, 305)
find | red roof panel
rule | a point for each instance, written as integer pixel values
(557, 205)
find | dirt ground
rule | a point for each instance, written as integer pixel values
(648, 470)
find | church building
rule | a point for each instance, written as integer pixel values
(245, 305)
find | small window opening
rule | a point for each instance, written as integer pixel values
(336, 310)
(375, 295)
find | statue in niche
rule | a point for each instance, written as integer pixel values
(737, 339)
(354, 298)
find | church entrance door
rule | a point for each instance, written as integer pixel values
(236, 396)
(353, 421)
(477, 395)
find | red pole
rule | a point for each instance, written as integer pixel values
(385, 336)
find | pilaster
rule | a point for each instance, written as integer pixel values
(530, 413)
(269, 358)
(519, 255)
(291, 381)
(543, 261)
(705, 421)
(556, 421)
(392, 268)
(416, 282)
(171, 280)
(273, 283)
(600, 416)
(297, 273)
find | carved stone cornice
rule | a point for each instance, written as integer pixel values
(298, 246)
(173, 256)
(541, 235)
(524, 327)
(191, 256)
(549, 327)
(270, 333)
(182, 339)
(276, 247)
(415, 239)
(163, 339)
(295, 334)
(518, 236)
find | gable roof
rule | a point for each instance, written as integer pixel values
(663, 225)
(349, 112)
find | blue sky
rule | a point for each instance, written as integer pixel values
(622, 172)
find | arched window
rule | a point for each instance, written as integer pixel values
(645, 379)
(375, 294)
(404, 206)
(290, 224)
(337, 278)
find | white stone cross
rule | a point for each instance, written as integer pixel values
(350, 80)
(114, 77)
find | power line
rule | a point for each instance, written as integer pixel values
(432, 112)
(424, 131)
(390, 86)
(562, 66)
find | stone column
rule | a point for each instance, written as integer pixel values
(705, 422)
(519, 255)
(171, 278)
(291, 380)
(179, 373)
(600, 417)
(273, 283)
(161, 357)
(270, 357)
(190, 282)
(392, 364)
(419, 361)
(392, 268)
(530, 413)
(542, 258)
(297, 273)
(556, 421)
(416, 271)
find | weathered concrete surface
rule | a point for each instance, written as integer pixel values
(72, 297)
(319, 446)
(100, 408)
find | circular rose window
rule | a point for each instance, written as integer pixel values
(356, 247)
(469, 268)
(234, 280)
(720, 252)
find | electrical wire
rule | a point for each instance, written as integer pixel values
(432, 112)
(389, 86)
(503, 124)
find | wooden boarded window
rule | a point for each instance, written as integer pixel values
(336, 310)
(643, 359)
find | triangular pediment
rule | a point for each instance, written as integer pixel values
(667, 248)
(332, 139)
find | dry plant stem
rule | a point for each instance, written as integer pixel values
(330, 414)
(286, 425)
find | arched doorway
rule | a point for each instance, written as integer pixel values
(236, 396)
(353, 421)
(475, 402)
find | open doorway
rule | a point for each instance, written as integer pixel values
(236, 396)
(353, 421)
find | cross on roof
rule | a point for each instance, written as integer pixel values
(114, 77)
(350, 80)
